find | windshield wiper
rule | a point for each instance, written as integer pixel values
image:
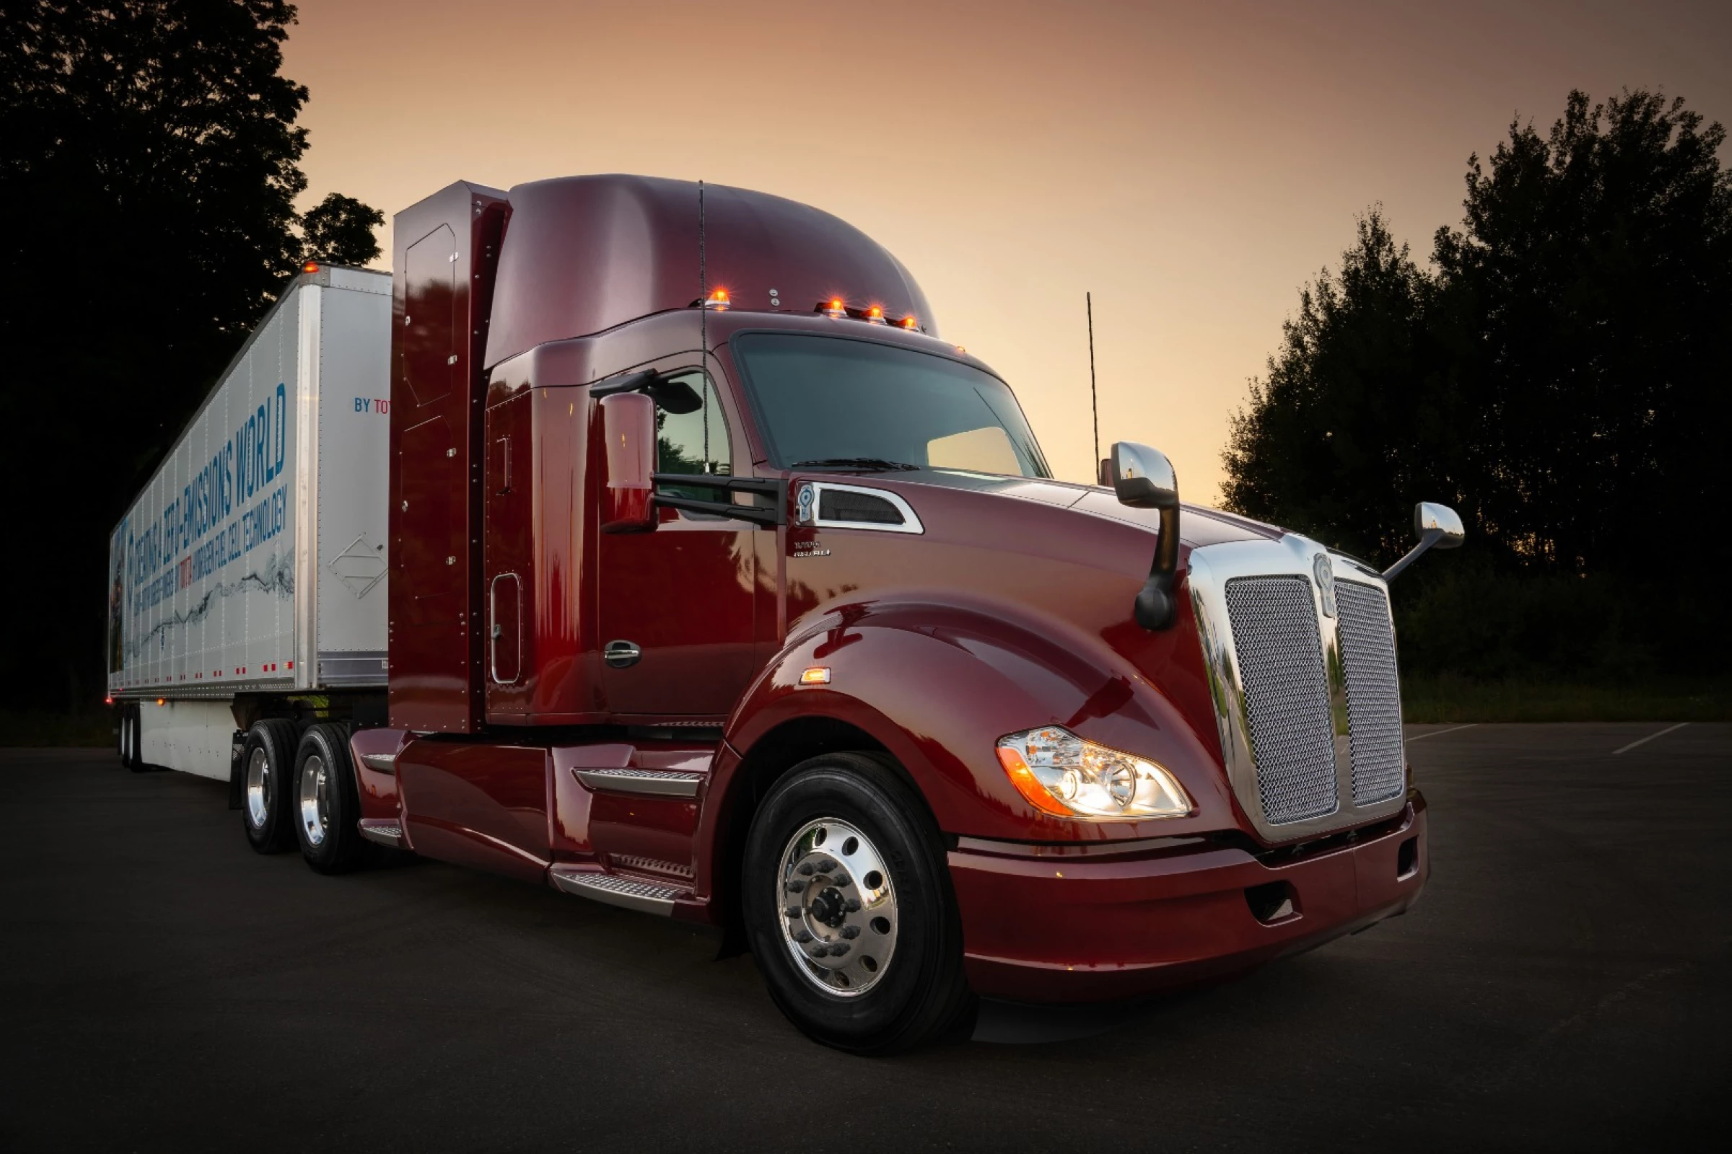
(877, 464)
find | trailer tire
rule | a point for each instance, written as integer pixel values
(267, 772)
(327, 805)
(126, 739)
(134, 759)
(843, 859)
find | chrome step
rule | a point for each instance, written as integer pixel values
(655, 782)
(383, 831)
(631, 893)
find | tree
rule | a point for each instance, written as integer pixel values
(148, 175)
(1561, 375)
(1352, 419)
(339, 229)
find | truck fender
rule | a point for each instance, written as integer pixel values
(936, 683)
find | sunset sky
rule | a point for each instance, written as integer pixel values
(1190, 164)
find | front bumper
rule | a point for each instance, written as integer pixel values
(1082, 923)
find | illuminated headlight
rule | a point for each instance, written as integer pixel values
(1065, 776)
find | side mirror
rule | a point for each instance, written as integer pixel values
(1143, 478)
(628, 423)
(1437, 526)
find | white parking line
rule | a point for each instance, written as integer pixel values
(1452, 729)
(1649, 738)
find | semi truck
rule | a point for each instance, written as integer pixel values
(649, 542)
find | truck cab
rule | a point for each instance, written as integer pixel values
(722, 587)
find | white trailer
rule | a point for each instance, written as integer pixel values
(251, 571)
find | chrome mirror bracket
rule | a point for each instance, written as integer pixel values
(1143, 478)
(1438, 526)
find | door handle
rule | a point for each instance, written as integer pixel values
(621, 654)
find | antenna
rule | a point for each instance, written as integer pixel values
(1094, 407)
(703, 327)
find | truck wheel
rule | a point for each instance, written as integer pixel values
(327, 805)
(849, 909)
(267, 762)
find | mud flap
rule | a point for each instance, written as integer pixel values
(237, 749)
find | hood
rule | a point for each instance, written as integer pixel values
(1198, 524)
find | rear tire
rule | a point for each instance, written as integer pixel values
(134, 759)
(849, 909)
(124, 740)
(326, 803)
(267, 772)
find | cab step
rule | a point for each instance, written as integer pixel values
(632, 893)
(385, 831)
(649, 782)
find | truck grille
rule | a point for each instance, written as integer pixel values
(1280, 652)
(1373, 695)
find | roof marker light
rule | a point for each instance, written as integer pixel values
(910, 323)
(875, 315)
(718, 300)
(310, 267)
(834, 309)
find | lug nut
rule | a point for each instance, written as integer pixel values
(805, 868)
(850, 932)
(839, 949)
(802, 936)
(796, 886)
(852, 905)
(796, 911)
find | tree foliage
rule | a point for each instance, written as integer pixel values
(1559, 373)
(148, 174)
(339, 229)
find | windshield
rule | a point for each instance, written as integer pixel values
(848, 403)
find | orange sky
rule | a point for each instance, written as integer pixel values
(1191, 164)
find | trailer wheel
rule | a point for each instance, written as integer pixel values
(126, 739)
(327, 804)
(134, 759)
(849, 909)
(267, 766)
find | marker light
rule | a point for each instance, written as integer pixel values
(875, 315)
(108, 701)
(1061, 774)
(817, 675)
(718, 300)
(161, 701)
(910, 323)
(310, 266)
(835, 309)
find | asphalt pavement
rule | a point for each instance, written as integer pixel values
(1561, 985)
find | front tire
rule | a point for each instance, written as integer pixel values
(327, 804)
(849, 909)
(267, 769)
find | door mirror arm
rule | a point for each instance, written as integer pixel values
(1143, 478)
(1438, 526)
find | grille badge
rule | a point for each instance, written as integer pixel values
(1324, 570)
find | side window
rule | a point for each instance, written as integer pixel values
(691, 433)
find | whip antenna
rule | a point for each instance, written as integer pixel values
(1094, 407)
(704, 327)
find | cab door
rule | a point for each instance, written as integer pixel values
(676, 603)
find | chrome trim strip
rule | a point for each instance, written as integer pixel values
(910, 520)
(385, 833)
(655, 782)
(306, 594)
(631, 893)
(1208, 570)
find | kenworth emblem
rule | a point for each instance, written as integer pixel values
(803, 504)
(1325, 572)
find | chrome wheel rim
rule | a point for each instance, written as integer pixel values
(258, 788)
(837, 907)
(315, 800)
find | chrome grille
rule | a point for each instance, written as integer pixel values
(1280, 656)
(1373, 694)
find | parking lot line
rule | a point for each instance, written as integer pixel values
(1451, 729)
(1649, 738)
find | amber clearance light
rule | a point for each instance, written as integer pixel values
(310, 266)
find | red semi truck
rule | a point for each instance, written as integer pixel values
(721, 588)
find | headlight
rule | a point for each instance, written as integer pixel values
(1065, 776)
